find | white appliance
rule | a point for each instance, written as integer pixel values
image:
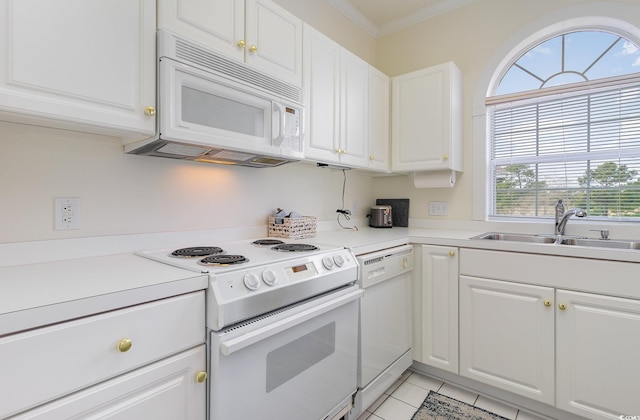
(213, 109)
(385, 322)
(283, 327)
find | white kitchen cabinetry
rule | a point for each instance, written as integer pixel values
(519, 318)
(337, 94)
(173, 388)
(71, 357)
(80, 65)
(426, 122)
(257, 32)
(507, 336)
(379, 118)
(439, 302)
(597, 341)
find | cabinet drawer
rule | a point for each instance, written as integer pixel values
(46, 363)
(165, 390)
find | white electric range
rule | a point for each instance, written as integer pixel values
(282, 317)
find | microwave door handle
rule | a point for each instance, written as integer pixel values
(230, 346)
(279, 138)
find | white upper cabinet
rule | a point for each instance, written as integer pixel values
(322, 96)
(347, 106)
(354, 109)
(426, 122)
(78, 64)
(378, 120)
(257, 32)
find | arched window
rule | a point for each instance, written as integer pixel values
(564, 123)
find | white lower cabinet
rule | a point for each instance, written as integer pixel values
(598, 339)
(506, 336)
(438, 318)
(170, 389)
(131, 359)
(523, 330)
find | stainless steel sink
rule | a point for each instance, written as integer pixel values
(517, 237)
(565, 240)
(603, 243)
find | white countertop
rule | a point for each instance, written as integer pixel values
(368, 239)
(38, 294)
(41, 293)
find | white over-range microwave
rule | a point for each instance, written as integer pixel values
(213, 109)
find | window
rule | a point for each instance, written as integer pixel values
(564, 123)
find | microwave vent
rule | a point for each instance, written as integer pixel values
(209, 60)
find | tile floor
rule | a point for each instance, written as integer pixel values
(402, 399)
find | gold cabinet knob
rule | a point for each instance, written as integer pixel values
(452, 253)
(242, 44)
(344, 151)
(124, 345)
(253, 49)
(371, 157)
(201, 377)
(562, 306)
(445, 157)
(547, 303)
(405, 263)
(150, 111)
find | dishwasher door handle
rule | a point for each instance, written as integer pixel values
(230, 346)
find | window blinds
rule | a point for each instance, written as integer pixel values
(579, 145)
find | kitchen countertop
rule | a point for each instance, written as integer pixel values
(42, 293)
(368, 239)
(39, 294)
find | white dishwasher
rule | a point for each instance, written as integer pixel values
(385, 322)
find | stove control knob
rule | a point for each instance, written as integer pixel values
(339, 260)
(269, 277)
(328, 263)
(251, 281)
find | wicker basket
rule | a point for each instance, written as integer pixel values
(293, 228)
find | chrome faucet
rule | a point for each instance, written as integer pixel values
(562, 223)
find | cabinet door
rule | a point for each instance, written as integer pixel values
(426, 120)
(507, 336)
(354, 109)
(598, 338)
(321, 91)
(274, 40)
(439, 317)
(79, 64)
(167, 390)
(378, 139)
(217, 24)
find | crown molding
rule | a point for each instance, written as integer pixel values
(347, 9)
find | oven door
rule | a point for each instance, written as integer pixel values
(300, 363)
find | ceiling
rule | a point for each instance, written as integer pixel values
(382, 17)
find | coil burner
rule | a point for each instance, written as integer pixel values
(295, 248)
(223, 260)
(197, 251)
(267, 242)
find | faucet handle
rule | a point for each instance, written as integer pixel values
(604, 233)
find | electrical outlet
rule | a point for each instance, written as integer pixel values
(438, 208)
(66, 213)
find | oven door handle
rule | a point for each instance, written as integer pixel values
(239, 343)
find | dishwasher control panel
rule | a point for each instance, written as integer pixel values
(384, 264)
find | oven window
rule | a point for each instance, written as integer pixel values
(293, 358)
(214, 111)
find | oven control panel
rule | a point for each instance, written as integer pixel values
(261, 289)
(301, 271)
